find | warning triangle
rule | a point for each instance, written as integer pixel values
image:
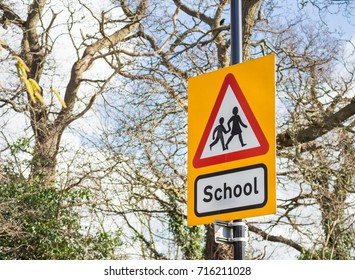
(232, 131)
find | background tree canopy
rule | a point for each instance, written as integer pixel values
(93, 106)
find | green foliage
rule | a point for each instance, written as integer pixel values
(36, 225)
(40, 222)
(341, 251)
(21, 145)
(190, 239)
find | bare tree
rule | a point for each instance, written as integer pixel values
(186, 39)
(32, 34)
(35, 48)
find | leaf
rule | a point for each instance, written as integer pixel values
(22, 64)
(59, 97)
(21, 72)
(34, 85)
(39, 96)
(29, 89)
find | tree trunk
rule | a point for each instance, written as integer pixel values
(216, 251)
(44, 159)
(250, 10)
(48, 133)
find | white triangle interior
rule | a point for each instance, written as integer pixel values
(226, 111)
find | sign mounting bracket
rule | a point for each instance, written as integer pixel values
(224, 233)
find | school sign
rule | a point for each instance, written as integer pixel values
(231, 143)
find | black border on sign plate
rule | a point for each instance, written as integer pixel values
(234, 209)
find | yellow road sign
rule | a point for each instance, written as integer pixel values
(231, 143)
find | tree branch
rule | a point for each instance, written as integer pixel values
(87, 59)
(194, 13)
(10, 17)
(286, 139)
(163, 83)
(274, 238)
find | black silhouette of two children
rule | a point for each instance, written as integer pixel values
(236, 129)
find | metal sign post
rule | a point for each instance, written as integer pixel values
(232, 178)
(237, 57)
(236, 32)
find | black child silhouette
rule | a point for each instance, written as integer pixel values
(236, 129)
(219, 130)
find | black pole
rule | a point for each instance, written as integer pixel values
(236, 32)
(237, 57)
(239, 235)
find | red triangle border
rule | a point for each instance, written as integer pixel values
(236, 155)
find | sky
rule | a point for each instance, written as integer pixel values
(336, 17)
